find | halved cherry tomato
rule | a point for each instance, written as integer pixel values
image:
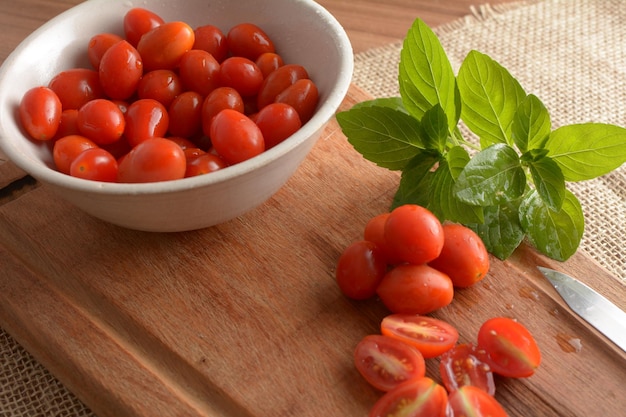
(145, 118)
(199, 71)
(511, 349)
(120, 70)
(277, 122)
(102, 121)
(40, 113)
(98, 45)
(472, 401)
(210, 38)
(302, 96)
(463, 257)
(160, 85)
(155, 159)
(235, 137)
(386, 363)
(415, 289)
(241, 74)
(420, 397)
(137, 22)
(249, 41)
(76, 86)
(164, 46)
(185, 114)
(429, 335)
(67, 148)
(360, 269)
(95, 164)
(414, 234)
(465, 364)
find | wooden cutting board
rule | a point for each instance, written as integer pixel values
(245, 319)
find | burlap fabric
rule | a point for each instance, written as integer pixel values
(570, 53)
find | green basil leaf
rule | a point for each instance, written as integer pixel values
(556, 234)
(493, 176)
(425, 75)
(390, 102)
(416, 179)
(586, 151)
(383, 135)
(549, 181)
(435, 129)
(531, 124)
(490, 97)
(501, 230)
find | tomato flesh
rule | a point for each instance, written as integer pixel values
(472, 401)
(429, 335)
(465, 364)
(420, 397)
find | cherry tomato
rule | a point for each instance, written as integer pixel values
(465, 364)
(511, 349)
(184, 143)
(268, 62)
(420, 397)
(463, 257)
(68, 125)
(66, 149)
(221, 98)
(375, 232)
(278, 81)
(415, 289)
(95, 164)
(199, 71)
(155, 159)
(98, 45)
(40, 113)
(249, 41)
(164, 46)
(241, 74)
(76, 86)
(160, 85)
(211, 39)
(146, 118)
(277, 122)
(185, 114)
(386, 363)
(429, 335)
(414, 234)
(204, 164)
(137, 22)
(120, 70)
(360, 269)
(102, 121)
(302, 96)
(235, 137)
(472, 401)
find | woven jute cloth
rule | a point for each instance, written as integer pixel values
(569, 53)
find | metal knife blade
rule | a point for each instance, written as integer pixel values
(602, 314)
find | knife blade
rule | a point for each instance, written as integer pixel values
(601, 313)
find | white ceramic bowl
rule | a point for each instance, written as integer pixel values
(304, 33)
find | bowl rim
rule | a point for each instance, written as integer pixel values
(323, 114)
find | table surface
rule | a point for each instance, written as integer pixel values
(369, 24)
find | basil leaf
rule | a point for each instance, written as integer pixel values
(415, 180)
(501, 230)
(586, 151)
(493, 176)
(425, 75)
(490, 97)
(394, 103)
(556, 234)
(435, 129)
(549, 181)
(531, 124)
(383, 135)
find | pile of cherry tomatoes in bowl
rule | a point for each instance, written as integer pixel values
(412, 263)
(167, 101)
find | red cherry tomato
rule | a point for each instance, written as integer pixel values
(211, 39)
(221, 98)
(465, 364)
(185, 114)
(420, 397)
(68, 125)
(137, 22)
(386, 363)
(472, 401)
(511, 349)
(360, 269)
(415, 289)
(277, 81)
(375, 232)
(249, 41)
(429, 335)
(302, 96)
(268, 62)
(241, 74)
(204, 164)
(120, 70)
(155, 159)
(184, 143)
(199, 71)
(277, 122)
(102, 121)
(95, 164)
(414, 234)
(160, 85)
(235, 137)
(98, 45)
(76, 86)
(463, 257)
(164, 46)
(145, 119)
(67, 148)
(40, 113)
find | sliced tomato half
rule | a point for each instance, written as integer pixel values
(429, 335)
(421, 397)
(472, 401)
(465, 364)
